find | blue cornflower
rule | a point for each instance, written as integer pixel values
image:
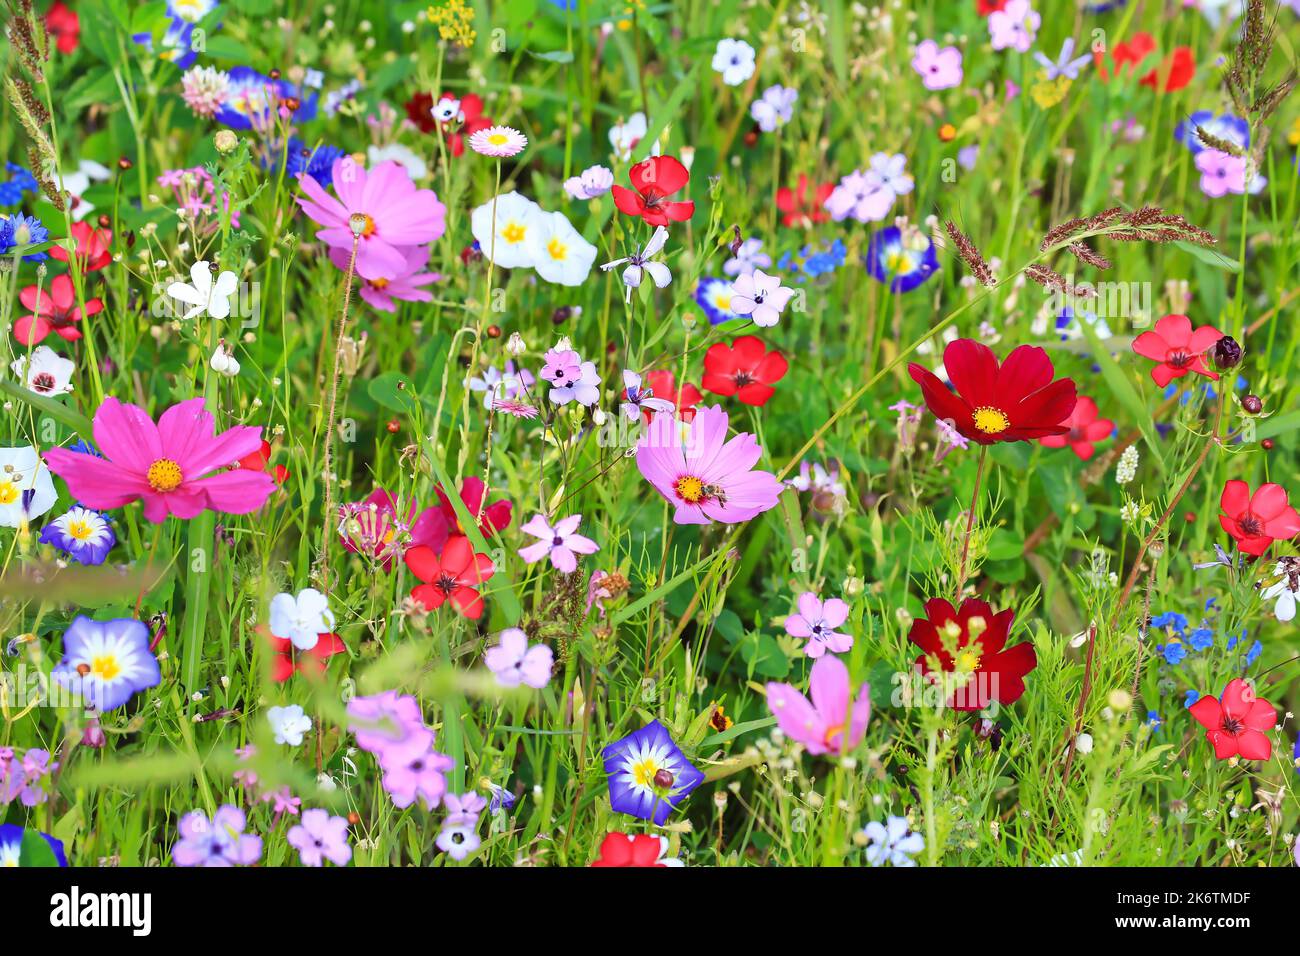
(19, 230)
(1173, 652)
(84, 535)
(1190, 697)
(19, 183)
(648, 774)
(317, 163)
(901, 260)
(1201, 638)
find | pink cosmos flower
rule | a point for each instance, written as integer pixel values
(405, 284)
(939, 68)
(560, 543)
(395, 214)
(830, 722)
(1221, 173)
(173, 466)
(514, 662)
(708, 478)
(1014, 26)
(817, 621)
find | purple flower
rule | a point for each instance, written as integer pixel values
(571, 378)
(561, 542)
(869, 196)
(648, 775)
(775, 108)
(24, 778)
(410, 775)
(220, 841)
(940, 69)
(107, 661)
(831, 721)
(82, 534)
(514, 662)
(817, 621)
(320, 837)
(457, 840)
(747, 257)
(463, 809)
(389, 725)
(1223, 173)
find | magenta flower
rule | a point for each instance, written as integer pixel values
(708, 478)
(320, 837)
(409, 775)
(830, 722)
(392, 214)
(173, 466)
(561, 543)
(380, 528)
(406, 284)
(940, 69)
(817, 621)
(514, 662)
(1221, 173)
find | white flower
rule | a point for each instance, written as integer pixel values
(559, 252)
(205, 295)
(734, 59)
(517, 219)
(26, 488)
(892, 842)
(659, 272)
(76, 183)
(1083, 743)
(1286, 590)
(48, 373)
(288, 724)
(403, 155)
(302, 619)
(760, 296)
(224, 362)
(624, 137)
(594, 181)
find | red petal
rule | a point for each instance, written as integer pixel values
(973, 371)
(627, 201)
(424, 564)
(662, 175)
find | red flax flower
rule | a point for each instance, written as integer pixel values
(1256, 521)
(634, 849)
(1174, 72)
(744, 368)
(260, 459)
(971, 644)
(1085, 428)
(53, 310)
(990, 6)
(64, 25)
(288, 660)
(654, 180)
(1178, 348)
(1128, 54)
(452, 576)
(1236, 723)
(664, 384)
(92, 247)
(1014, 401)
(806, 205)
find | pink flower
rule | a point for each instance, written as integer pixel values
(830, 722)
(708, 478)
(173, 466)
(1014, 26)
(394, 214)
(939, 68)
(1221, 173)
(514, 662)
(561, 542)
(405, 284)
(817, 621)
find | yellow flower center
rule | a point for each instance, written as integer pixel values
(690, 489)
(79, 530)
(723, 302)
(967, 660)
(379, 283)
(8, 492)
(514, 232)
(991, 421)
(164, 475)
(498, 139)
(106, 667)
(556, 249)
(644, 773)
(832, 731)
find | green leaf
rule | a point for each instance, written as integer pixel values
(1124, 391)
(1209, 255)
(35, 851)
(392, 390)
(47, 406)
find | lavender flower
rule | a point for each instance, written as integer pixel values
(320, 837)
(220, 841)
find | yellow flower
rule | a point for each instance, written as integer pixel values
(1047, 93)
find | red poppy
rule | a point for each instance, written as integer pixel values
(64, 25)
(1177, 348)
(1014, 401)
(53, 310)
(632, 849)
(1084, 429)
(92, 247)
(971, 643)
(804, 206)
(990, 6)
(287, 659)
(452, 576)
(1124, 55)
(1174, 72)
(258, 461)
(496, 516)
(664, 384)
(744, 368)
(655, 179)
(1256, 521)
(1237, 723)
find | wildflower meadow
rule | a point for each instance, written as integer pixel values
(610, 433)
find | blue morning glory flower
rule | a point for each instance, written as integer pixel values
(116, 659)
(714, 297)
(11, 845)
(251, 96)
(84, 535)
(648, 775)
(177, 43)
(901, 261)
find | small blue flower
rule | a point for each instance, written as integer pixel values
(648, 775)
(902, 262)
(1201, 638)
(19, 183)
(1252, 655)
(1190, 697)
(317, 163)
(1173, 652)
(1171, 620)
(502, 799)
(1153, 720)
(84, 535)
(812, 261)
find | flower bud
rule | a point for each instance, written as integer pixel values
(225, 141)
(1227, 353)
(1252, 404)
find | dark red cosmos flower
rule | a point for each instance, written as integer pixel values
(496, 516)
(633, 849)
(1178, 348)
(1256, 521)
(990, 6)
(92, 247)
(1237, 723)
(805, 205)
(258, 461)
(454, 575)
(744, 368)
(456, 123)
(664, 384)
(1014, 401)
(971, 643)
(1173, 73)
(419, 110)
(1085, 428)
(654, 180)
(64, 25)
(54, 309)
(287, 659)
